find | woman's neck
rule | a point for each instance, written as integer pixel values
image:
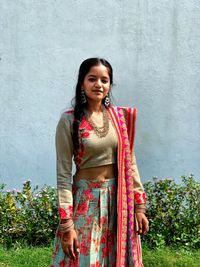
(94, 107)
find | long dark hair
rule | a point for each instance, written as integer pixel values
(85, 67)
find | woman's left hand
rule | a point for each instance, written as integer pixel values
(143, 223)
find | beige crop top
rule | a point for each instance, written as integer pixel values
(94, 151)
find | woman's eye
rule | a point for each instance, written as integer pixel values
(91, 79)
(104, 81)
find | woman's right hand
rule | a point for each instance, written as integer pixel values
(70, 244)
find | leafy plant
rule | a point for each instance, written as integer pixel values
(173, 212)
(28, 216)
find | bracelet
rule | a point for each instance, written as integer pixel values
(140, 208)
(66, 226)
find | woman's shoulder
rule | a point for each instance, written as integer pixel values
(67, 116)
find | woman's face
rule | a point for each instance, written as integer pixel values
(96, 83)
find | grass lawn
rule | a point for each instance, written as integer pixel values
(40, 257)
(26, 257)
(167, 257)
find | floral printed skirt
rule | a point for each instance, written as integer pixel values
(95, 220)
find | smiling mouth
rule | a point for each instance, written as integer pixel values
(98, 91)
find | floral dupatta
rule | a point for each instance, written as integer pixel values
(128, 242)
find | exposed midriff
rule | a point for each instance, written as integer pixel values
(99, 173)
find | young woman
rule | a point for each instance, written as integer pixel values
(102, 209)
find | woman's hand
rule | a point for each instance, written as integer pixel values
(143, 223)
(70, 244)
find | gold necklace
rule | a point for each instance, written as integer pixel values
(103, 130)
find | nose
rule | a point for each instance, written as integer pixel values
(98, 83)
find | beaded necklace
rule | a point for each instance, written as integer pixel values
(103, 130)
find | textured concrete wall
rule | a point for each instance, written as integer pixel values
(155, 52)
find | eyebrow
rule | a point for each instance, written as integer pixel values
(104, 77)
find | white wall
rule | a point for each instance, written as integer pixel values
(153, 47)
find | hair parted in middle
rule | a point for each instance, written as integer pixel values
(78, 105)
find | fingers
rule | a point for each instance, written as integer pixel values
(70, 245)
(76, 247)
(70, 249)
(143, 224)
(64, 244)
(140, 226)
(139, 223)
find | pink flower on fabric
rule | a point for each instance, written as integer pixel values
(95, 185)
(85, 135)
(82, 208)
(62, 264)
(144, 197)
(62, 213)
(138, 198)
(96, 264)
(89, 239)
(88, 195)
(70, 208)
(104, 239)
(89, 220)
(84, 248)
(85, 125)
(105, 252)
(103, 220)
(73, 263)
(85, 128)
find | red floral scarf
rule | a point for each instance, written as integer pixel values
(128, 242)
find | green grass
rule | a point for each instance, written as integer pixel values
(26, 257)
(167, 257)
(40, 257)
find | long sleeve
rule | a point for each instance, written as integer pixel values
(139, 194)
(64, 152)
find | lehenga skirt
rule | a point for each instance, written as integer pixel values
(95, 221)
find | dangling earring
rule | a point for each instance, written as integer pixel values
(107, 101)
(83, 97)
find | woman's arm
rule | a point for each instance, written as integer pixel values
(140, 199)
(139, 193)
(64, 154)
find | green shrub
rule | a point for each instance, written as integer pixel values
(173, 212)
(28, 216)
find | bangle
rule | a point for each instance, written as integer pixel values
(140, 208)
(66, 226)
